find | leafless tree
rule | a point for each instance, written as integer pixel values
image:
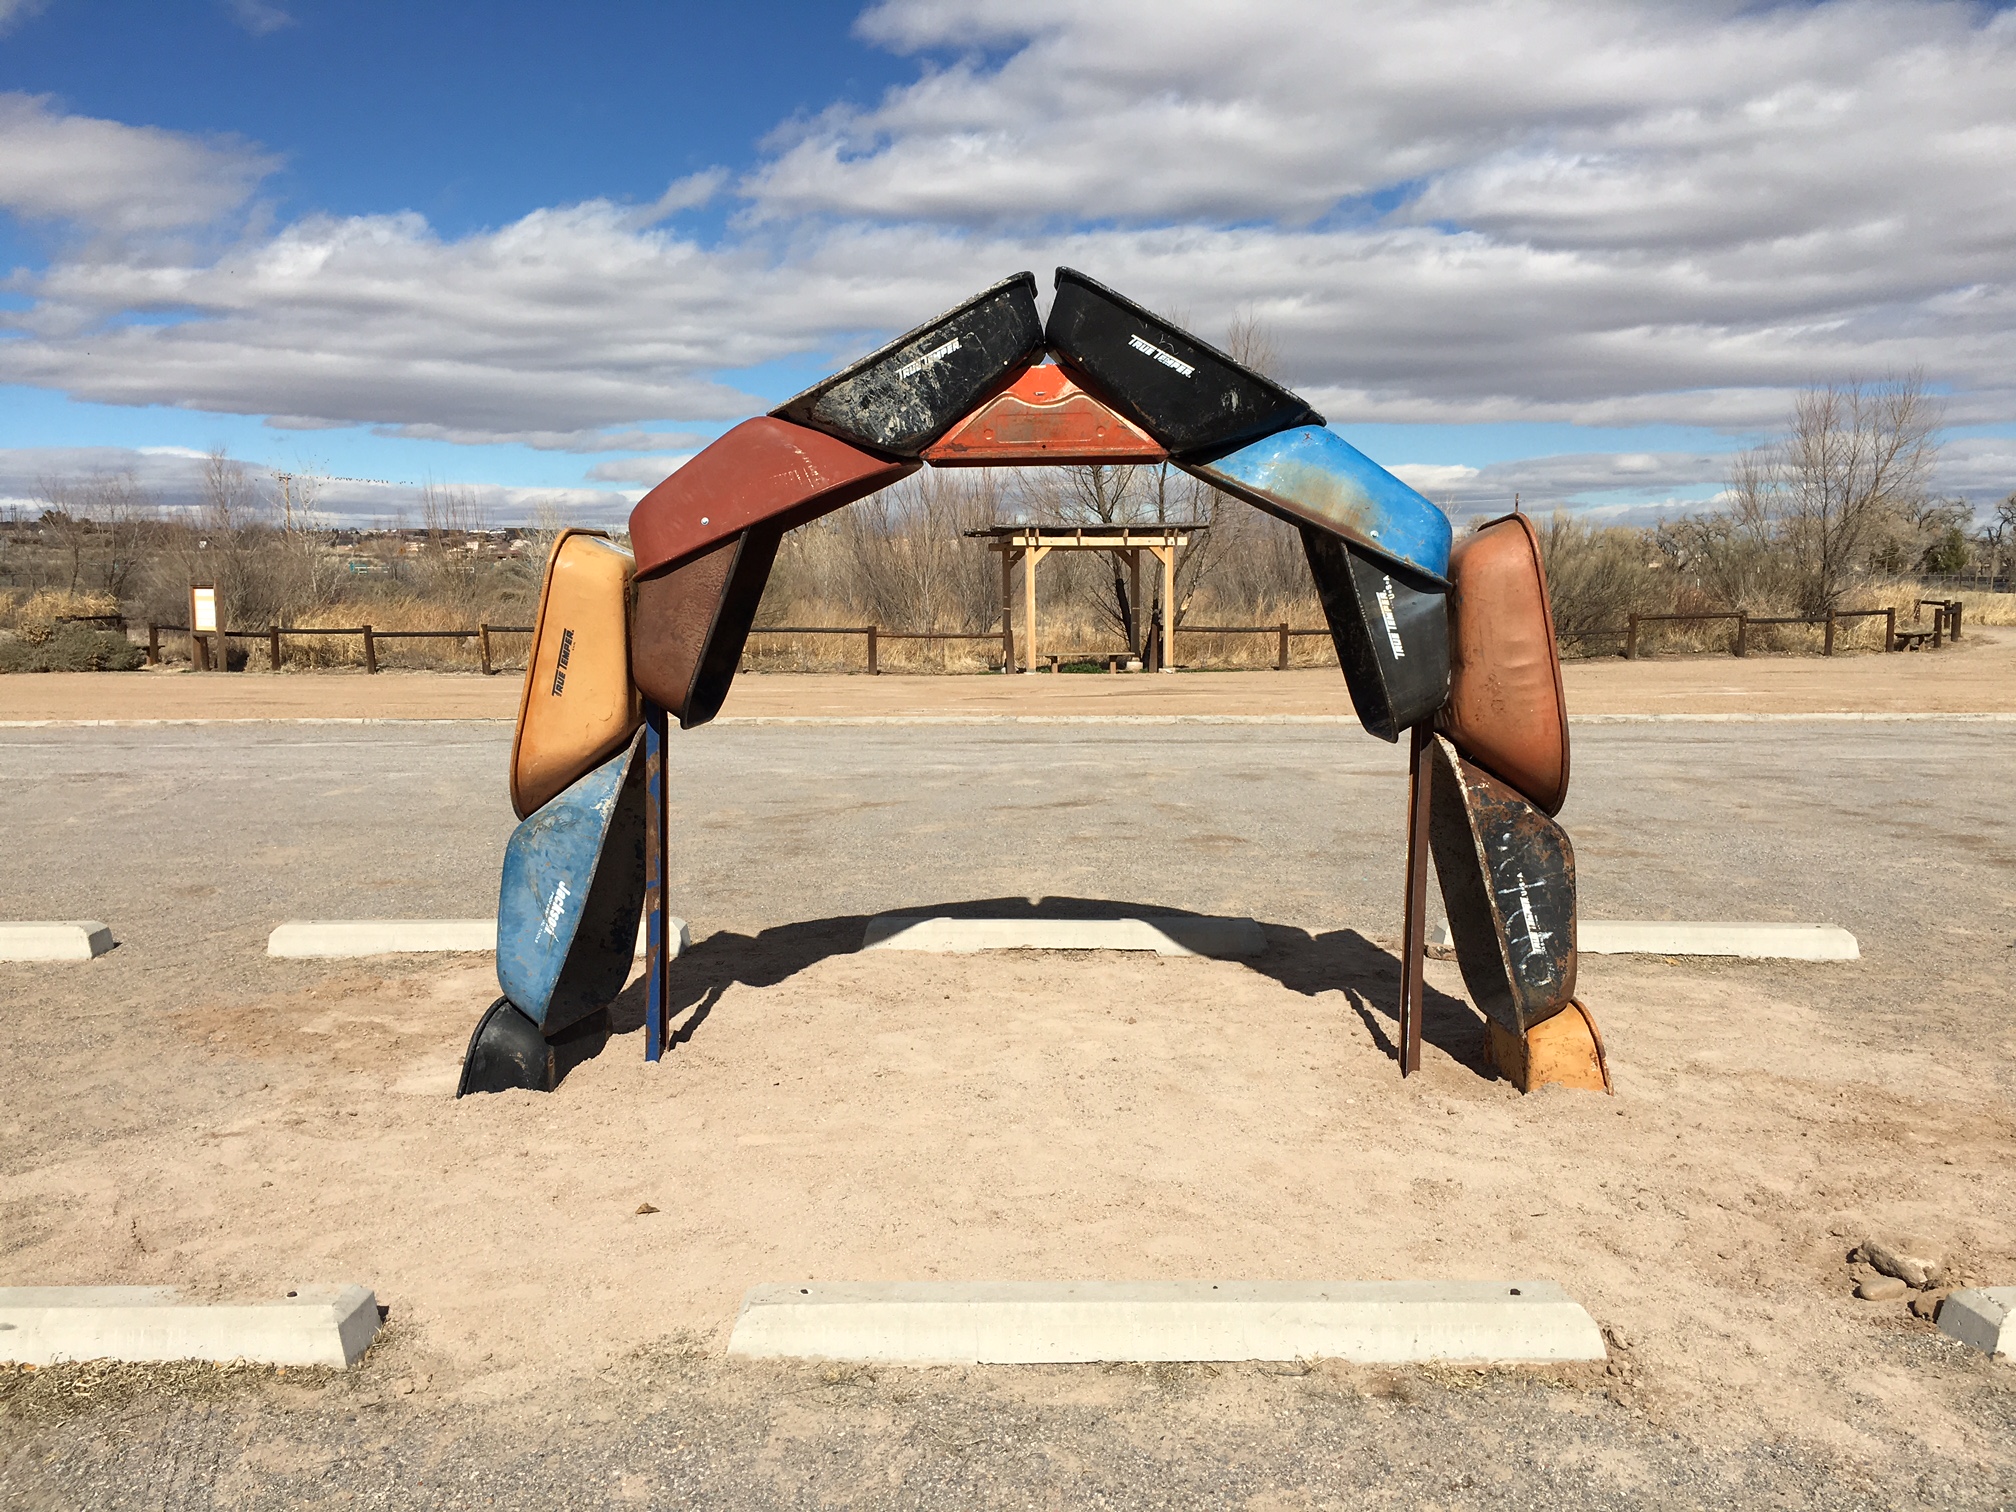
(1832, 490)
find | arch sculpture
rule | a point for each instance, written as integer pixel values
(1451, 646)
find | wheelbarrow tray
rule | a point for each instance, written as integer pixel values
(1184, 392)
(1312, 476)
(578, 706)
(1508, 881)
(903, 396)
(1391, 630)
(572, 893)
(1506, 708)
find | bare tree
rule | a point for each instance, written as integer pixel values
(1832, 490)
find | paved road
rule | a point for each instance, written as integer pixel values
(192, 841)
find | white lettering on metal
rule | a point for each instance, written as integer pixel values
(910, 369)
(1385, 597)
(1161, 356)
(551, 923)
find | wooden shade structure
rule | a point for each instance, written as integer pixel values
(1029, 544)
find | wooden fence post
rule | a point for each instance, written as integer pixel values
(483, 646)
(370, 652)
(1743, 634)
(1957, 607)
(272, 648)
(1631, 640)
(1938, 624)
(1890, 629)
(153, 644)
(874, 663)
(1281, 661)
(1827, 645)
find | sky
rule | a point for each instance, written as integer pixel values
(1577, 250)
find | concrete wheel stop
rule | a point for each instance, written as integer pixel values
(311, 1325)
(1165, 934)
(1983, 1316)
(1077, 1322)
(315, 939)
(66, 940)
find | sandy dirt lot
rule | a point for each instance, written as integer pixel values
(1976, 676)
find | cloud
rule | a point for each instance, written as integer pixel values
(13, 12)
(172, 478)
(649, 471)
(1493, 210)
(259, 17)
(118, 178)
(585, 441)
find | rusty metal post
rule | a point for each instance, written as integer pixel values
(874, 662)
(1743, 634)
(1281, 660)
(1631, 640)
(1827, 645)
(1414, 929)
(370, 652)
(153, 644)
(1890, 629)
(483, 648)
(272, 648)
(655, 962)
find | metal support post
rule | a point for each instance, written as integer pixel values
(1414, 942)
(656, 973)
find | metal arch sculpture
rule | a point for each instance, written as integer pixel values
(1451, 645)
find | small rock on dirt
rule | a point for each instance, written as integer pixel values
(1926, 1305)
(1881, 1289)
(645, 1207)
(1912, 1261)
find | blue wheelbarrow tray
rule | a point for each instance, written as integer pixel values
(1310, 475)
(572, 893)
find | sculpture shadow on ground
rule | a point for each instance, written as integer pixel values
(1340, 960)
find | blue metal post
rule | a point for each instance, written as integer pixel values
(655, 983)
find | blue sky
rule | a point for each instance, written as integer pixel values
(1573, 250)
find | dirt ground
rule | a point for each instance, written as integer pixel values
(1978, 675)
(830, 1114)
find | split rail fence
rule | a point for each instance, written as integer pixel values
(274, 636)
(1946, 621)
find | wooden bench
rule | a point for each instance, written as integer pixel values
(1913, 640)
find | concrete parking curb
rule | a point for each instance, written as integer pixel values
(313, 1325)
(1757, 942)
(70, 940)
(1983, 1316)
(1064, 1322)
(1165, 934)
(305, 939)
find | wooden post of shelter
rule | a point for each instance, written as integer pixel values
(1007, 613)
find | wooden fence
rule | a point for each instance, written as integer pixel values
(275, 635)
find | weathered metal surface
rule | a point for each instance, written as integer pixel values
(901, 397)
(572, 890)
(1043, 416)
(763, 472)
(1391, 630)
(692, 622)
(1312, 476)
(507, 1053)
(1508, 882)
(1184, 392)
(578, 705)
(1506, 709)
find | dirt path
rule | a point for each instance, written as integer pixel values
(1977, 676)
